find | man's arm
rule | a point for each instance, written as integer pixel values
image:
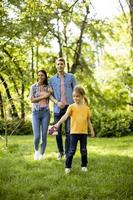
(73, 81)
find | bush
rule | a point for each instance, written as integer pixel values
(15, 127)
(108, 124)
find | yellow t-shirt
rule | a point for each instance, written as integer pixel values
(79, 115)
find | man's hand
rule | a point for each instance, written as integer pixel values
(60, 104)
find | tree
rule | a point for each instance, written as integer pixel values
(131, 16)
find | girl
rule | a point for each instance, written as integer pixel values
(39, 93)
(79, 114)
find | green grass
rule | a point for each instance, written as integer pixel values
(109, 176)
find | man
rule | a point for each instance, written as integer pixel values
(62, 85)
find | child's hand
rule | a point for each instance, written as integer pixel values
(93, 134)
(56, 125)
(53, 131)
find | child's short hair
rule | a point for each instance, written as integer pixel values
(60, 59)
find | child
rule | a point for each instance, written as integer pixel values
(79, 114)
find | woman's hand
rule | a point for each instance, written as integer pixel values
(45, 95)
(50, 90)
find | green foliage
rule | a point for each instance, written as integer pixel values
(109, 124)
(14, 127)
(39, 31)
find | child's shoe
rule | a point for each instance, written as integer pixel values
(40, 157)
(67, 170)
(84, 169)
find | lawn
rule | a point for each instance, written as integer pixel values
(109, 176)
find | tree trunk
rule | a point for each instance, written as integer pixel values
(77, 54)
(15, 86)
(32, 63)
(14, 111)
(22, 103)
(37, 57)
(131, 16)
(1, 107)
(59, 39)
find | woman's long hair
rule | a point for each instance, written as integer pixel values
(46, 78)
(78, 89)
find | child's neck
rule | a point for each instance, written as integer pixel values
(80, 103)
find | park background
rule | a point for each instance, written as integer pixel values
(99, 52)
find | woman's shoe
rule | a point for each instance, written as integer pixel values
(36, 155)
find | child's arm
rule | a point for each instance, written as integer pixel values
(64, 117)
(91, 128)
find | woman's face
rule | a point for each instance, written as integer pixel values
(41, 77)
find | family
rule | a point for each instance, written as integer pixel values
(70, 106)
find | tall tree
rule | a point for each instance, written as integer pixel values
(131, 16)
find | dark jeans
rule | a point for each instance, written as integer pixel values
(73, 145)
(59, 140)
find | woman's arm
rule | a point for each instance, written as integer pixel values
(59, 104)
(53, 99)
(37, 99)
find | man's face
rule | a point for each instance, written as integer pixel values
(60, 66)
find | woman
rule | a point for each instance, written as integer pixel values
(39, 95)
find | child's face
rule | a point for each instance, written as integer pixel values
(77, 97)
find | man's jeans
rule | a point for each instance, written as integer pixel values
(40, 122)
(73, 145)
(59, 140)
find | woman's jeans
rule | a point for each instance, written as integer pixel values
(73, 145)
(40, 123)
(59, 138)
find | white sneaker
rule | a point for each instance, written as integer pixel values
(67, 170)
(36, 155)
(84, 169)
(59, 157)
(40, 157)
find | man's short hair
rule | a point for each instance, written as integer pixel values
(60, 59)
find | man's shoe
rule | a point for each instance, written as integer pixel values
(84, 169)
(60, 155)
(67, 170)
